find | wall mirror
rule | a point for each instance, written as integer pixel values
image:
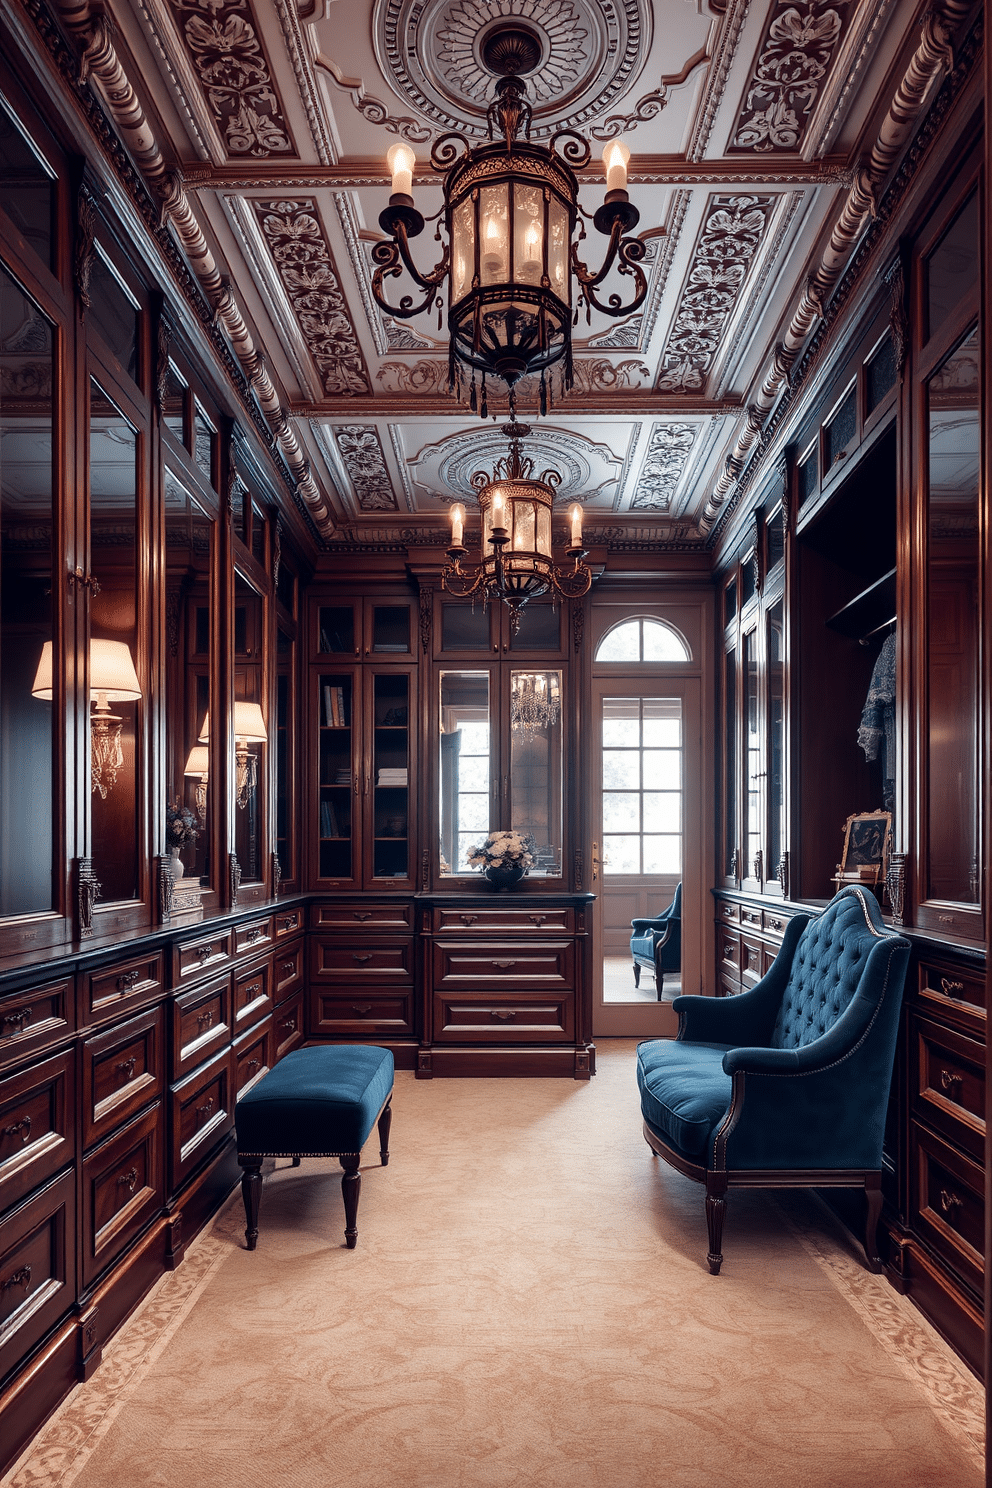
(535, 795)
(283, 742)
(250, 729)
(189, 536)
(26, 619)
(467, 783)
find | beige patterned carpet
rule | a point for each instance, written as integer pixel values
(528, 1307)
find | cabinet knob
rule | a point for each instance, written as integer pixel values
(128, 1180)
(126, 1068)
(127, 980)
(948, 1081)
(504, 964)
(951, 988)
(201, 952)
(504, 1014)
(16, 1022)
(289, 1023)
(538, 919)
(204, 1020)
(254, 1064)
(366, 957)
(468, 919)
(23, 1126)
(361, 1008)
(288, 968)
(21, 1277)
(949, 1201)
(202, 1112)
(363, 914)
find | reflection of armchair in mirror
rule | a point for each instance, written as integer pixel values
(189, 536)
(250, 731)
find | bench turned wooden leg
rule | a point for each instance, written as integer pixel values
(297, 1161)
(351, 1187)
(716, 1207)
(384, 1123)
(251, 1192)
(873, 1193)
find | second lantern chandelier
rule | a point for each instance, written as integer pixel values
(510, 211)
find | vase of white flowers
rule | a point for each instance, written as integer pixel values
(181, 830)
(504, 858)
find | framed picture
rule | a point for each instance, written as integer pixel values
(867, 839)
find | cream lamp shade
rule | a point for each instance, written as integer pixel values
(199, 761)
(249, 723)
(111, 672)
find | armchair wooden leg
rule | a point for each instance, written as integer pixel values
(385, 1121)
(659, 983)
(716, 1205)
(251, 1192)
(637, 975)
(873, 1193)
(351, 1187)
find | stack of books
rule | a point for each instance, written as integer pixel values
(392, 776)
(334, 710)
(328, 820)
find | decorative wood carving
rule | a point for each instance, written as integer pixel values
(234, 878)
(786, 487)
(578, 624)
(276, 875)
(425, 868)
(166, 889)
(276, 550)
(757, 557)
(87, 893)
(426, 617)
(163, 345)
(758, 864)
(783, 873)
(895, 882)
(173, 609)
(84, 250)
(363, 459)
(578, 867)
(898, 314)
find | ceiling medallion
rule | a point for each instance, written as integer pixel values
(583, 55)
(516, 562)
(510, 214)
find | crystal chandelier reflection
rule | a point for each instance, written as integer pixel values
(535, 701)
(516, 562)
(510, 211)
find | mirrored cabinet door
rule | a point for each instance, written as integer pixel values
(251, 732)
(468, 784)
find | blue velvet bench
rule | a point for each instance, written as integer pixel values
(322, 1101)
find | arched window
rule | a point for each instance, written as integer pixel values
(643, 640)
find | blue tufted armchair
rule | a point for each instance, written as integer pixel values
(785, 1085)
(657, 943)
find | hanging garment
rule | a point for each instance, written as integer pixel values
(877, 731)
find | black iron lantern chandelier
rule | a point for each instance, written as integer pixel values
(516, 562)
(510, 212)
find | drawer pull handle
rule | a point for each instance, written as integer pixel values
(504, 1014)
(951, 988)
(948, 1081)
(205, 1020)
(728, 951)
(538, 919)
(362, 915)
(468, 919)
(253, 934)
(288, 968)
(949, 1201)
(204, 1111)
(128, 1180)
(21, 1277)
(253, 990)
(127, 980)
(362, 959)
(23, 1126)
(289, 1023)
(504, 964)
(254, 1064)
(17, 1022)
(202, 952)
(126, 1068)
(774, 924)
(361, 1008)
(287, 923)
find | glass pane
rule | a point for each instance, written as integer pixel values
(390, 766)
(283, 748)
(188, 537)
(841, 430)
(622, 643)
(641, 802)
(114, 687)
(663, 768)
(495, 245)
(621, 811)
(952, 270)
(661, 643)
(539, 629)
(257, 535)
(335, 775)
(880, 373)
(26, 188)
(752, 842)
(391, 628)
(337, 629)
(621, 733)
(953, 627)
(621, 854)
(662, 811)
(464, 627)
(776, 739)
(730, 765)
(26, 587)
(621, 770)
(807, 476)
(114, 316)
(174, 403)
(662, 723)
(203, 442)
(251, 732)
(729, 603)
(663, 855)
(528, 233)
(536, 767)
(464, 816)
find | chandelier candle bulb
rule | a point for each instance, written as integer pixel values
(576, 517)
(457, 526)
(401, 161)
(615, 158)
(497, 513)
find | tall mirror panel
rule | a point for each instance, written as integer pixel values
(189, 812)
(250, 730)
(465, 767)
(536, 767)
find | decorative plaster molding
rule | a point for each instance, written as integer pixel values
(298, 243)
(624, 336)
(650, 105)
(224, 46)
(585, 468)
(182, 79)
(725, 364)
(854, 53)
(668, 450)
(373, 110)
(723, 54)
(300, 56)
(361, 454)
(801, 40)
(728, 240)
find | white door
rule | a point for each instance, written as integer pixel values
(647, 830)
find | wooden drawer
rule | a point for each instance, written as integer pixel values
(945, 985)
(37, 1125)
(751, 917)
(201, 1112)
(369, 1013)
(728, 914)
(201, 1025)
(122, 1190)
(527, 965)
(752, 964)
(254, 935)
(122, 1071)
(199, 958)
(728, 986)
(287, 922)
(948, 1203)
(349, 915)
(287, 970)
(34, 1020)
(253, 1057)
(774, 921)
(729, 950)
(357, 962)
(948, 1084)
(287, 1023)
(503, 920)
(515, 1020)
(37, 1267)
(251, 996)
(119, 988)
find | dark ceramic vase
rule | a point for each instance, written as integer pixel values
(504, 877)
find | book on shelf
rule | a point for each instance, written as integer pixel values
(334, 710)
(328, 819)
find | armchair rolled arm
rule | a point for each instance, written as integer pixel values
(641, 927)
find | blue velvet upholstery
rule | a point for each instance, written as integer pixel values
(792, 1077)
(657, 943)
(319, 1101)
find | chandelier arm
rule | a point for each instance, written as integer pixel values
(627, 253)
(467, 583)
(572, 585)
(393, 256)
(576, 152)
(444, 151)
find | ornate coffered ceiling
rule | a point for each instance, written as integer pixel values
(747, 121)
